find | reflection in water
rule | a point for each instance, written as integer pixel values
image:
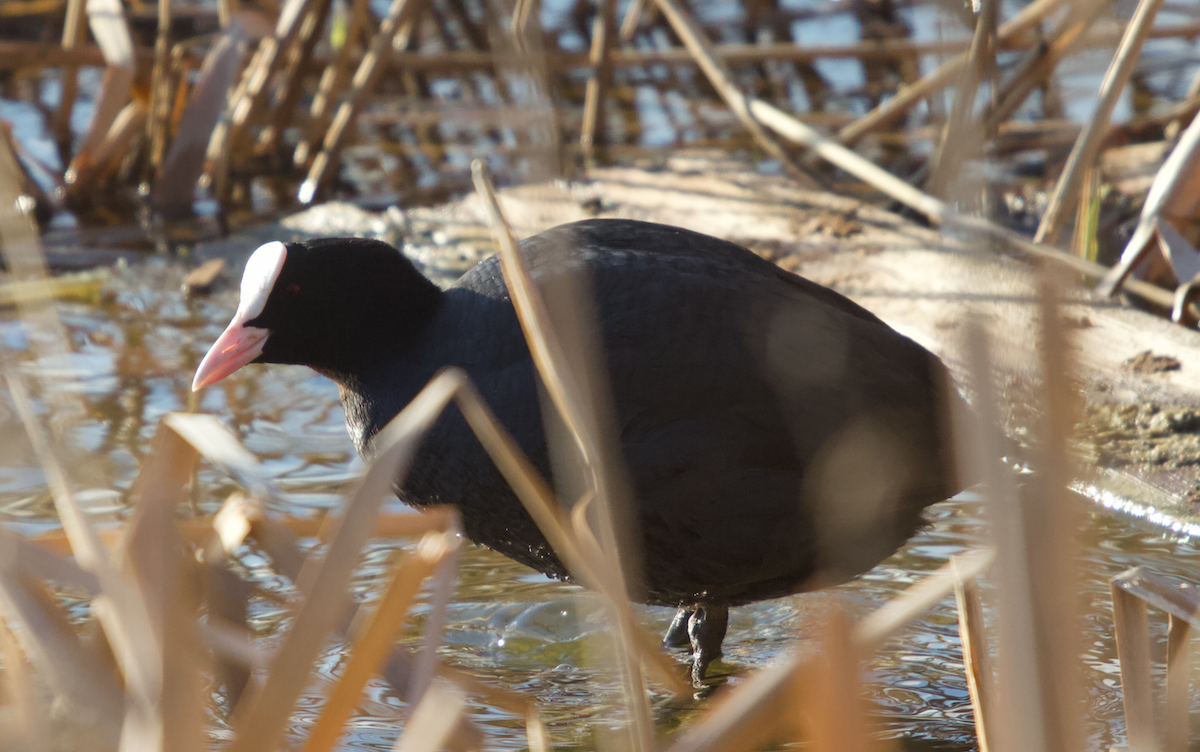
(134, 357)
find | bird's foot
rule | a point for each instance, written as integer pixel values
(706, 629)
(677, 633)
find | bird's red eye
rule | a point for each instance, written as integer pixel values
(294, 289)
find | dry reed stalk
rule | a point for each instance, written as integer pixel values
(322, 580)
(1133, 590)
(721, 78)
(250, 100)
(583, 402)
(290, 82)
(23, 558)
(333, 78)
(758, 709)
(1132, 628)
(171, 193)
(434, 721)
(74, 33)
(70, 668)
(398, 23)
(126, 128)
(120, 608)
(107, 21)
(592, 136)
(801, 133)
(836, 716)
(1173, 195)
(1083, 154)
(976, 660)
(943, 76)
(160, 90)
(1178, 699)
(637, 14)
(1039, 694)
(1039, 64)
(959, 141)
(374, 644)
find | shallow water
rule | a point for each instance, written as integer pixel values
(131, 362)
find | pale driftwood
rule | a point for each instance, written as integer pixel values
(1082, 155)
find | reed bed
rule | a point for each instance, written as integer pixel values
(165, 658)
(167, 640)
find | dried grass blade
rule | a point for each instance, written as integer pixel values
(370, 649)
(234, 646)
(227, 598)
(746, 717)
(444, 578)
(837, 719)
(220, 447)
(1174, 192)
(323, 581)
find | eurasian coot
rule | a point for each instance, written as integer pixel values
(779, 437)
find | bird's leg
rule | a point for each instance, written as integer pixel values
(706, 628)
(677, 633)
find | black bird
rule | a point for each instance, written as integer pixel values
(778, 437)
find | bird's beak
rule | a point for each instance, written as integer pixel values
(237, 346)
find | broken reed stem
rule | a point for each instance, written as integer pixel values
(1083, 153)
(958, 140)
(721, 78)
(1132, 629)
(943, 76)
(976, 660)
(1178, 700)
(396, 25)
(578, 398)
(1040, 63)
(592, 134)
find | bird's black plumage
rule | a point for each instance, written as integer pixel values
(778, 436)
